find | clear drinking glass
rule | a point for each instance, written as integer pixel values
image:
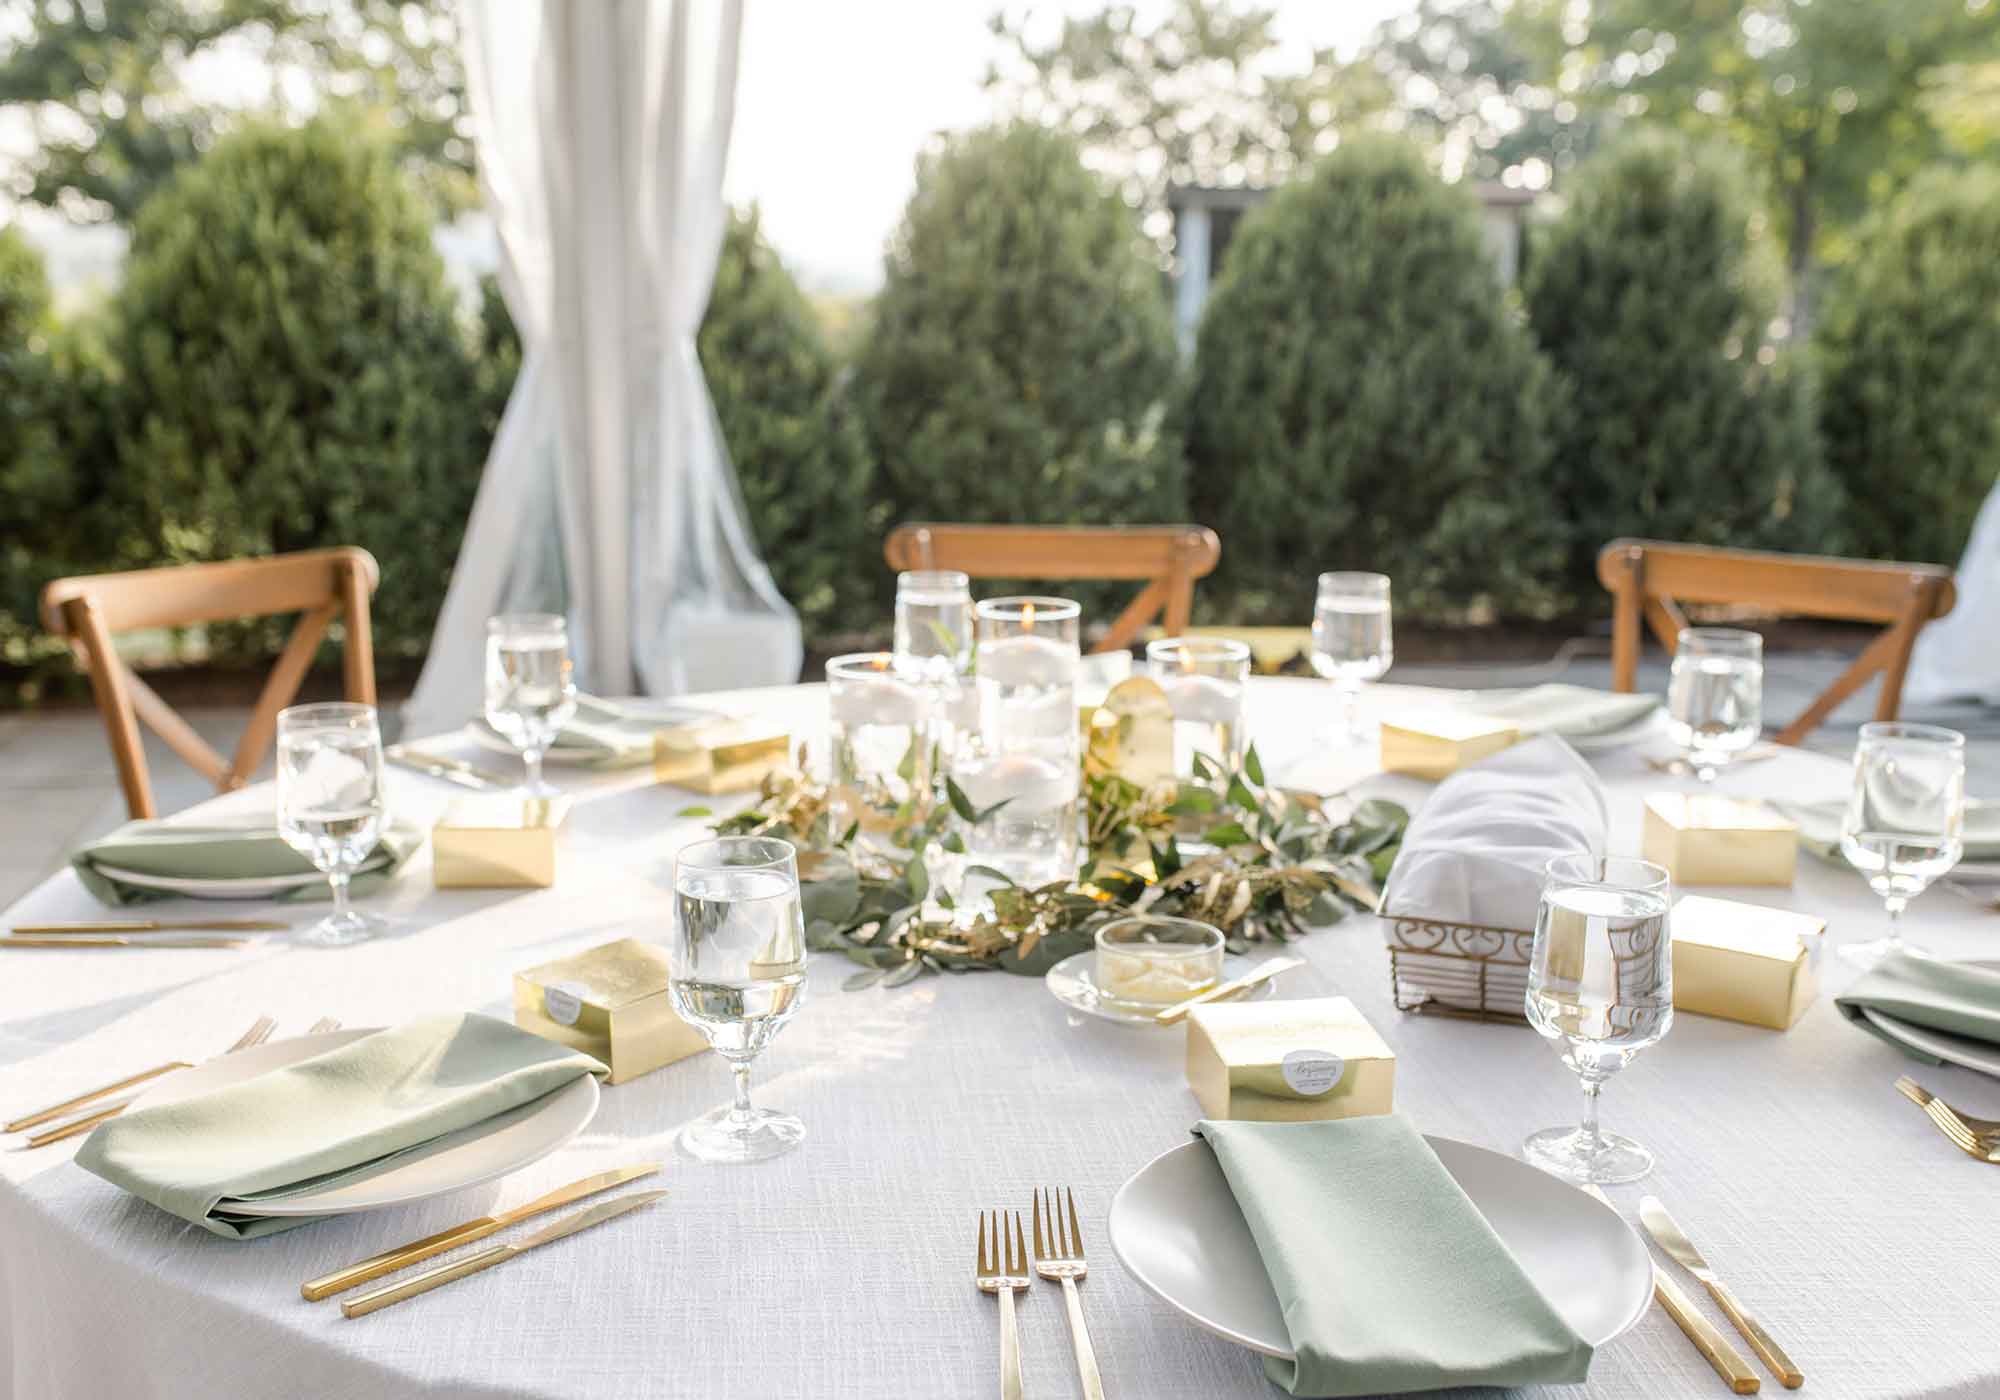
(933, 625)
(530, 694)
(1352, 642)
(1600, 981)
(1205, 679)
(1904, 822)
(1715, 701)
(880, 743)
(736, 965)
(331, 805)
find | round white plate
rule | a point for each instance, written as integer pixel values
(256, 887)
(570, 757)
(1177, 1228)
(1952, 1049)
(467, 1157)
(1651, 726)
(1074, 983)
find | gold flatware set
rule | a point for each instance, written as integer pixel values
(451, 770)
(1976, 1137)
(136, 933)
(1002, 1269)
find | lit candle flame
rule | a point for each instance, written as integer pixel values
(1027, 617)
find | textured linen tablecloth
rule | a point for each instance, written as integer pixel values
(1864, 1241)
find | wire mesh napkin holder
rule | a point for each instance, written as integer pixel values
(1481, 948)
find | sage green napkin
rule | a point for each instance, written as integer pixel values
(1390, 1279)
(185, 851)
(605, 734)
(336, 1118)
(1956, 998)
(1574, 711)
(1819, 827)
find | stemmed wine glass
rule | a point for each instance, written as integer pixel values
(1351, 640)
(1600, 981)
(1904, 822)
(1715, 699)
(530, 694)
(736, 965)
(331, 805)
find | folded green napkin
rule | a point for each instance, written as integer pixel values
(1389, 1277)
(336, 1118)
(1956, 998)
(1819, 827)
(1574, 711)
(605, 734)
(184, 851)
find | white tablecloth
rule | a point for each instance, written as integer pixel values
(1836, 1210)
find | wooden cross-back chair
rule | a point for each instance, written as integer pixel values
(1168, 557)
(1649, 579)
(318, 584)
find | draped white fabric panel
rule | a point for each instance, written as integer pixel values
(1954, 658)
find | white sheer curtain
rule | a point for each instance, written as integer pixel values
(1955, 658)
(602, 131)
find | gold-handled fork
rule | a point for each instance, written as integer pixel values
(259, 1032)
(1003, 1269)
(1976, 1137)
(1059, 1256)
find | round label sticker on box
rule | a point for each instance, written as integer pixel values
(1311, 1073)
(563, 1002)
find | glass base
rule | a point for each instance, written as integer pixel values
(724, 1136)
(1565, 1153)
(1875, 949)
(339, 930)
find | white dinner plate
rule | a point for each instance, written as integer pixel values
(254, 887)
(642, 716)
(1074, 983)
(467, 1157)
(1177, 1229)
(1652, 725)
(1952, 1049)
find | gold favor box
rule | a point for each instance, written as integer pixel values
(1703, 839)
(1288, 1061)
(610, 1001)
(489, 843)
(1438, 744)
(1744, 962)
(719, 756)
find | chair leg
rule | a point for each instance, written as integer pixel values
(114, 703)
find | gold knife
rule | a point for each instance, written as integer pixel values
(499, 1253)
(452, 770)
(1674, 1241)
(402, 1256)
(1262, 972)
(155, 926)
(121, 942)
(1714, 1347)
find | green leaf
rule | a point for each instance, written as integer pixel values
(1253, 767)
(834, 898)
(990, 873)
(695, 812)
(952, 842)
(867, 977)
(917, 876)
(1204, 768)
(982, 816)
(908, 972)
(1228, 834)
(960, 803)
(1240, 796)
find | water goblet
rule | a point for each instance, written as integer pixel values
(1600, 982)
(1903, 827)
(530, 694)
(1352, 641)
(331, 806)
(736, 967)
(1715, 699)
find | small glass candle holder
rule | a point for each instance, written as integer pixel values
(878, 740)
(1151, 961)
(933, 625)
(1205, 679)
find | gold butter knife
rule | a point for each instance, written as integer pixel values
(499, 1253)
(1714, 1347)
(1674, 1241)
(401, 1257)
(1263, 972)
(87, 941)
(155, 926)
(452, 770)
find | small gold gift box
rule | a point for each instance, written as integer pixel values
(610, 1002)
(1288, 1061)
(485, 843)
(719, 756)
(1744, 962)
(1438, 744)
(1703, 839)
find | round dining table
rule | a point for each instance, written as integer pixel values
(1862, 1239)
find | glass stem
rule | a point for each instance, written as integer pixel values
(338, 879)
(533, 759)
(1896, 905)
(1350, 709)
(740, 1111)
(1593, 1137)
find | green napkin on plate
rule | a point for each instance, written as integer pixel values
(185, 851)
(1573, 711)
(1956, 998)
(340, 1117)
(1389, 1278)
(1819, 827)
(606, 734)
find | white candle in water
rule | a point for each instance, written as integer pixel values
(1027, 660)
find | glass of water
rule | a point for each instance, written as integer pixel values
(1715, 700)
(1600, 983)
(1904, 822)
(736, 966)
(881, 751)
(1205, 679)
(331, 805)
(933, 626)
(1352, 642)
(530, 694)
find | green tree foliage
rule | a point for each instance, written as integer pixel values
(1910, 349)
(1021, 354)
(793, 435)
(1652, 297)
(35, 483)
(1363, 399)
(295, 373)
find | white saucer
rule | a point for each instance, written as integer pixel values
(1178, 1229)
(1074, 983)
(1952, 1049)
(252, 887)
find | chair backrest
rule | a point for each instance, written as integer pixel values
(1649, 579)
(318, 584)
(1168, 557)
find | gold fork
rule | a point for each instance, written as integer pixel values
(1976, 1137)
(1059, 1256)
(1003, 1269)
(259, 1032)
